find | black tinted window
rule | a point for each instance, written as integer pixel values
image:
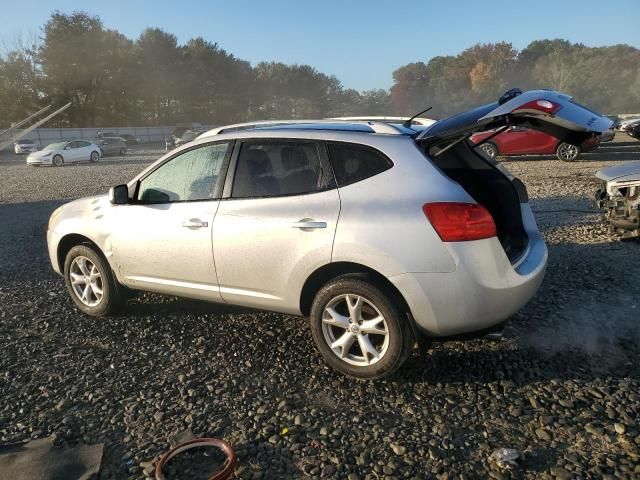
(273, 168)
(352, 163)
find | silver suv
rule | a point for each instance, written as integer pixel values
(381, 235)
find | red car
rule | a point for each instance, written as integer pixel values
(523, 141)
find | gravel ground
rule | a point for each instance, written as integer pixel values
(562, 387)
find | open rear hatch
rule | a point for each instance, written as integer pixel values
(446, 144)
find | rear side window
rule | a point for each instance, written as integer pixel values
(276, 168)
(352, 163)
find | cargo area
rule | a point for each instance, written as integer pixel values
(490, 188)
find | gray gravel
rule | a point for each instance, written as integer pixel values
(562, 388)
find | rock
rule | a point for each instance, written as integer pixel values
(566, 403)
(546, 420)
(593, 430)
(543, 434)
(561, 473)
(619, 428)
(328, 471)
(398, 449)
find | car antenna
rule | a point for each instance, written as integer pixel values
(407, 123)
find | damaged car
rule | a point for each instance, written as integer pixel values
(380, 235)
(619, 198)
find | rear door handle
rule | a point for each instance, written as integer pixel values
(308, 224)
(195, 223)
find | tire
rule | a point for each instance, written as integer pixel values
(567, 152)
(392, 347)
(76, 277)
(490, 149)
(123, 152)
(94, 157)
(58, 161)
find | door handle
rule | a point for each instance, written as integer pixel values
(195, 223)
(308, 224)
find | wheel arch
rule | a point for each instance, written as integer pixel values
(69, 241)
(328, 272)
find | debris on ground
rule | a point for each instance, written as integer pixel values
(42, 459)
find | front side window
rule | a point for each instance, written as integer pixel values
(277, 168)
(191, 176)
(352, 163)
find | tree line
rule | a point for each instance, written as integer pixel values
(112, 80)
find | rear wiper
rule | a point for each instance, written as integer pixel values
(407, 123)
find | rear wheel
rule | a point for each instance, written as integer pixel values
(90, 282)
(58, 161)
(567, 152)
(95, 156)
(123, 151)
(490, 149)
(358, 329)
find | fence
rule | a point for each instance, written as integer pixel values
(45, 136)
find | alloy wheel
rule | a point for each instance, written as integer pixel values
(94, 156)
(86, 281)
(355, 330)
(58, 161)
(489, 149)
(566, 151)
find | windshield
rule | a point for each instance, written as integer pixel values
(25, 142)
(55, 146)
(187, 137)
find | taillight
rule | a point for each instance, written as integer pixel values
(460, 222)
(544, 106)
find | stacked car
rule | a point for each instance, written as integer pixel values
(518, 140)
(633, 129)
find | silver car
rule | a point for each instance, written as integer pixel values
(381, 235)
(112, 146)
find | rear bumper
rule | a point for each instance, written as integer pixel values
(484, 290)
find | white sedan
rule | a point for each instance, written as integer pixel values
(65, 152)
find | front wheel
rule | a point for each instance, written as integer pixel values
(95, 156)
(567, 152)
(123, 152)
(58, 161)
(359, 330)
(90, 282)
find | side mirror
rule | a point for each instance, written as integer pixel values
(119, 195)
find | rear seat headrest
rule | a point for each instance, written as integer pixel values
(294, 158)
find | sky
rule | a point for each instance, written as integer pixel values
(360, 42)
